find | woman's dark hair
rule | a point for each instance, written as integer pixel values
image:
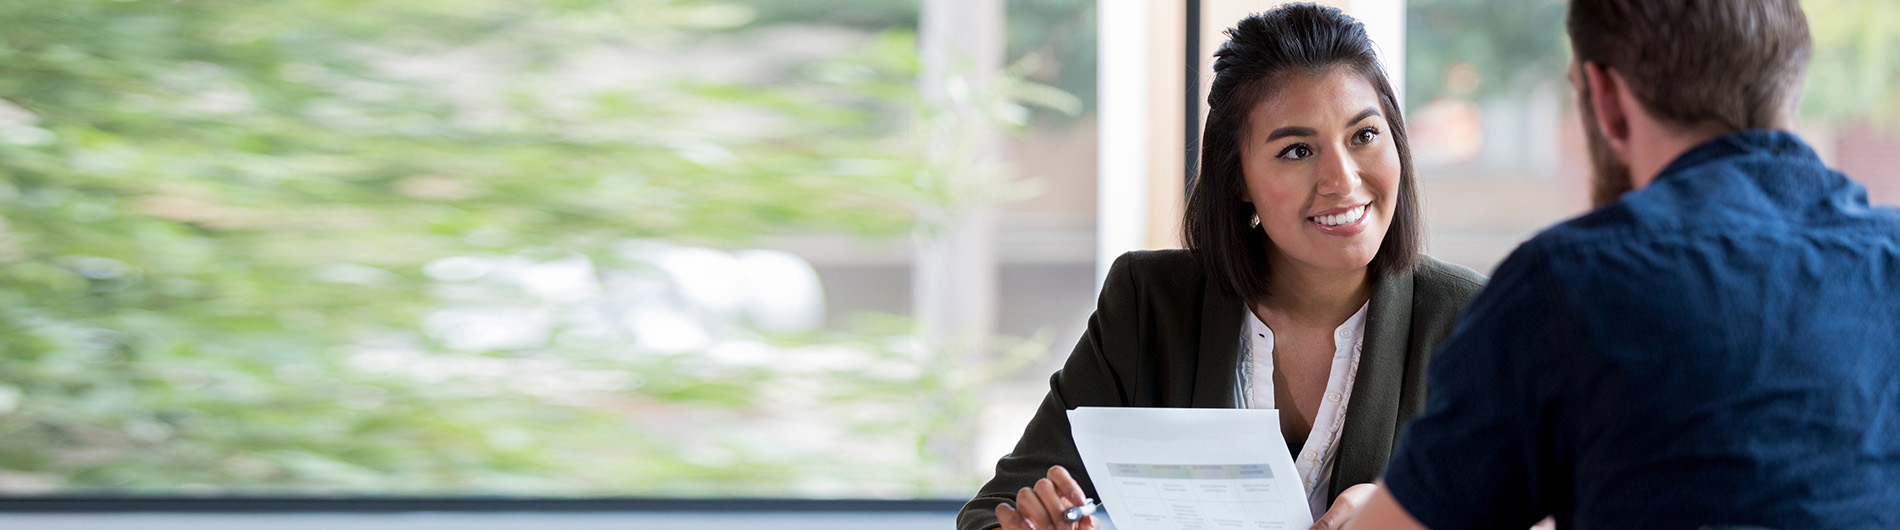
(1260, 51)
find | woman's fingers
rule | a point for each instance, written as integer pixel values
(1345, 507)
(1010, 519)
(1056, 503)
(1041, 507)
(1087, 523)
(1034, 512)
(1066, 485)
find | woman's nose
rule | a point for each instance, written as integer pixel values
(1338, 174)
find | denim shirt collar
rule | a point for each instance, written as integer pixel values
(1771, 142)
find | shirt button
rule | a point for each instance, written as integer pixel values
(1332, 396)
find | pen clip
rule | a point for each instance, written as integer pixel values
(1076, 513)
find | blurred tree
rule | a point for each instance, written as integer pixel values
(1053, 42)
(217, 222)
(1050, 43)
(1513, 44)
(1510, 44)
(1855, 71)
(872, 15)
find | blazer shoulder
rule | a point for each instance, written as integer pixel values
(1441, 287)
(1168, 270)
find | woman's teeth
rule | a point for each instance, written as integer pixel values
(1340, 219)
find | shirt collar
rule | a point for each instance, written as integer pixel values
(1349, 333)
(1772, 142)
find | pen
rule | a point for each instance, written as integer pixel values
(1087, 508)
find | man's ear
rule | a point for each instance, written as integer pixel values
(1607, 93)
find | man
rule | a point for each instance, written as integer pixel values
(1716, 346)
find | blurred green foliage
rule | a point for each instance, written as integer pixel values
(873, 15)
(1052, 42)
(1855, 71)
(1511, 43)
(1058, 39)
(216, 220)
(1515, 44)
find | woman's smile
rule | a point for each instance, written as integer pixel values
(1323, 174)
(1342, 222)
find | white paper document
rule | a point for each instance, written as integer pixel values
(1191, 469)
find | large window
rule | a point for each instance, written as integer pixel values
(551, 248)
(1494, 124)
(679, 248)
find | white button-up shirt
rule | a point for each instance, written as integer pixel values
(1316, 459)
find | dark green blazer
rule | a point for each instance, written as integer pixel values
(1164, 336)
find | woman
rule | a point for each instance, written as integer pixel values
(1302, 287)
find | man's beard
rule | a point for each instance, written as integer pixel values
(1609, 176)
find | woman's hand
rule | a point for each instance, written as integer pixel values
(1041, 507)
(1344, 507)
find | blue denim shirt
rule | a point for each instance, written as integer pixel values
(1719, 348)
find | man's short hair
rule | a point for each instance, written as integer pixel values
(1735, 62)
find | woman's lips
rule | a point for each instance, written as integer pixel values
(1349, 221)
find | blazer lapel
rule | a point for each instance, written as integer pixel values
(1372, 415)
(1217, 372)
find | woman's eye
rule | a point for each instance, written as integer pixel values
(1296, 152)
(1365, 136)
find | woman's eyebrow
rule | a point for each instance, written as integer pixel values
(1284, 132)
(1291, 131)
(1362, 115)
